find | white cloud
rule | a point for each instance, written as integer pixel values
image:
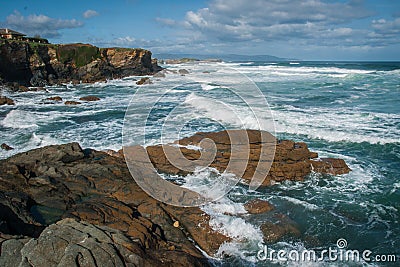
(383, 26)
(40, 24)
(167, 22)
(242, 20)
(90, 13)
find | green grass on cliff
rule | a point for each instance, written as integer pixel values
(78, 54)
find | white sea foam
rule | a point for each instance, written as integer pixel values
(229, 114)
(337, 124)
(234, 227)
(303, 203)
(207, 87)
(20, 119)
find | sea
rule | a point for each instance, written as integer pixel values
(348, 110)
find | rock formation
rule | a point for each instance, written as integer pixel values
(45, 185)
(89, 98)
(291, 160)
(30, 64)
(84, 206)
(6, 101)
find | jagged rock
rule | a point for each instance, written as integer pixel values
(257, 206)
(6, 147)
(45, 185)
(39, 65)
(330, 166)
(72, 102)
(183, 72)
(145, 80)
(280, 227)
(74, 243)
(6, 101)
(289, 161)
(89, 98)
(160, 74)
(54, 98)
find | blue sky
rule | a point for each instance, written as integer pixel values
(304, 29)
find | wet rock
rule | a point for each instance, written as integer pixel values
(278, 229)
(257, 206)
(23, 88)
(72, 103)
(54, 98)
(74, 243)
(257, 154)
(143, 81)
(330, 166)
(45, 185)
(160, 74)
(183, 72)
(4, 146)
(89, 98)
(6, 101)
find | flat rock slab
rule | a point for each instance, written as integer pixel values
(249, 154)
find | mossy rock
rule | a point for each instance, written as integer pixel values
(77, 54)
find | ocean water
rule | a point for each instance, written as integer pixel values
(340, 109)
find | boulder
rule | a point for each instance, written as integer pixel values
(183, 72)
(278, 228)
(330, 166)
(160, 74)
(257, 206)
(72, 103)
(4, 146)
(54, 98)
(6, 101)
(89, 98)
(145, 80)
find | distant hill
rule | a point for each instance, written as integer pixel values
(224, 57)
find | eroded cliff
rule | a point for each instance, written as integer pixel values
(32, 64)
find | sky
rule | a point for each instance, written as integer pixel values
(302, 29)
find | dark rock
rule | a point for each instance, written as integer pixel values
(74, 243)
(23, 88)
(257, 206)
(89, 98)
(54, 98)
(6, 147)
(183, 72)
(45, 185)
(6, 101)
(72, 103)
(160, 74)
(143, 81)
(281, 227)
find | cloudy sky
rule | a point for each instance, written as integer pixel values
(304, 29)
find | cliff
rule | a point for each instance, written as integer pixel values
(32, 64)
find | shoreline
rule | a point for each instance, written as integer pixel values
(90, 196)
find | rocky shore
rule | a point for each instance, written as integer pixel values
(25, 64)
(84, 207)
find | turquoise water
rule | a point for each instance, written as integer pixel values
(345, 110)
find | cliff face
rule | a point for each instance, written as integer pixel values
(32, 64)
